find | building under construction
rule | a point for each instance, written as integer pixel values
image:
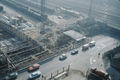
(17, 49)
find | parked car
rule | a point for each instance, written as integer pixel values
(74, 52)
(34, 67)
(92, 43)
(62, 57)
(11, 76)
(34, 75)
(85, 47)
(84, 38)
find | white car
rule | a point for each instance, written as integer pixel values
(62, 57)
(92, 43)
(11, 76)
(34, 75)
(74, 52)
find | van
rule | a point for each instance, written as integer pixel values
(85, 47)
(92, 43)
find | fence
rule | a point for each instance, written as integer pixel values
(57, 75)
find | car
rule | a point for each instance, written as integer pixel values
(74, 52)
(63, 57)
(34, 75)
(84, 38)
(34, 67)
(92, 43)
(11, 76)
(85, 47)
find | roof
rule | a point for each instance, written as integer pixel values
(74, 34)
(36, 65)
(86, 45)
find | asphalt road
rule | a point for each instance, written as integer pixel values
(82, 61)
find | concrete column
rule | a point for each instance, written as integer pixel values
(51, 75)
(57, 72)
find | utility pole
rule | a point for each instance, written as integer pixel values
(42, 7)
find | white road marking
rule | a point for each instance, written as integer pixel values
(94, 60)
(91, 61)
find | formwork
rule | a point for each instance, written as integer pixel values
(25, 51)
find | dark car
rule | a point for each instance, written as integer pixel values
(74, 52)
(11, 76)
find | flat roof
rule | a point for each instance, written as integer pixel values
(74, 35)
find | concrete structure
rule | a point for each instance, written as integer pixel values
(26, 44)
(74, 35)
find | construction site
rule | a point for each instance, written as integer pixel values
(34, 31)
(23, 39)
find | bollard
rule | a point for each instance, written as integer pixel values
(63, 69)
(57, 72)
(42, 77)
(68, 68)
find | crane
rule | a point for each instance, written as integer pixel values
(43, 17)
(42, 7)
(90, 8)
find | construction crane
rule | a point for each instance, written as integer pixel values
(42, 7)
(90, 8)
(43, 16)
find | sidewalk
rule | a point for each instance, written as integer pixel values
(75, 75)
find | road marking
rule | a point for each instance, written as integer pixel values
(94, 60)
(91, 61)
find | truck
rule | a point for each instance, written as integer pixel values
(101, 75)
(85, 47)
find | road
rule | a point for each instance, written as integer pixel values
(82, 61)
